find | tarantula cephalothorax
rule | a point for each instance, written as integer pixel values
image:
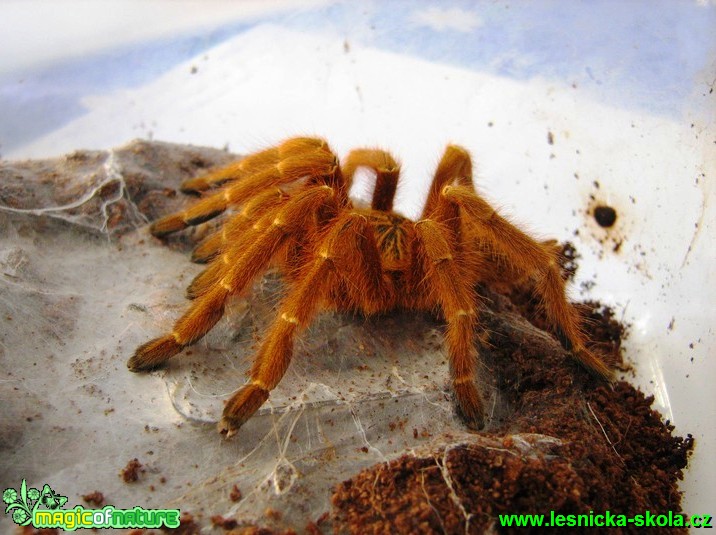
(296, 215)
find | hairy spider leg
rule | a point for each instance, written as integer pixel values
(297, 159)
(331, 177)
(208, 308)
(333, 254)
(453, 292)
(535, 260)
(238, 224)
(360, 265)
(237, 246)
(455, 167)
(387, 172)
(250, 165)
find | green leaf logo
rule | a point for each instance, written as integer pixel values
(23, 504)
(9, 496)
(51, 500)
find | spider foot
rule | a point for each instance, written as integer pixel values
(594, 364)
(154, 353)
(167, 225)
(241, 407)
(207, 250)
(205, 280)
(469, 405)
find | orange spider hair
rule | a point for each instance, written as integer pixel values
(296, 214)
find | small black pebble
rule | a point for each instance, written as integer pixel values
(605, 215)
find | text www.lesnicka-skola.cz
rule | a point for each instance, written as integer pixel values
(606, 519)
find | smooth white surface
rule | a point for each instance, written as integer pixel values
(38, 33)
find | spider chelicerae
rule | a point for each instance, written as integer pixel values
(296, 215)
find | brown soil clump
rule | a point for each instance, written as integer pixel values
(563, 441)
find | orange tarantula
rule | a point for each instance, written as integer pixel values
(296, 215)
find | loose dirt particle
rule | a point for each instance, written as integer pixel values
(94, 498)
(235, 494)
(130, 473)
(219, 521)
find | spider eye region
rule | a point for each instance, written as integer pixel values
(391, 236)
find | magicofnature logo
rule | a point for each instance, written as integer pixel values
(23, 504)
(44, 509)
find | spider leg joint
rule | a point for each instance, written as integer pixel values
(290, 319)
(441, 259)
(462, 380)
(260, 384)
(225, 283)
